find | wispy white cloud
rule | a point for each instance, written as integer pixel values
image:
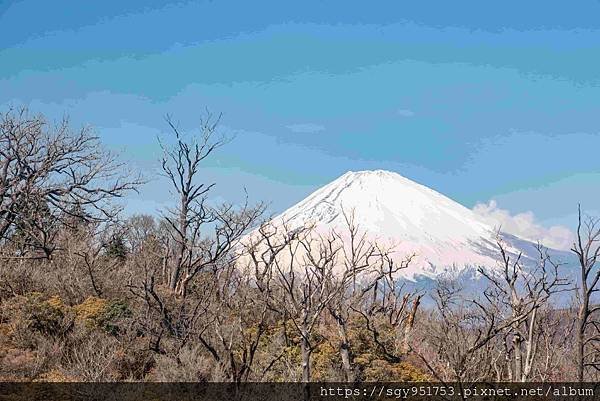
(305, 128)
(524, 225)
(405, 112)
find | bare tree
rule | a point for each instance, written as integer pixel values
(243, 317)
(587, 249)
(354, 280)
(244, 302)
(334, 272)
(196, 293)
(181, 165)
(554, 339)
(515, 297)
(303, 272)
(94, 254)
(140, 228)
(456, 340)
(48, 174)
(386, 306)
(498, 335)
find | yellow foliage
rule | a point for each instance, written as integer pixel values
(57, 303)
(380, 370)
(90, 309)
(324, 358)
(34, 311)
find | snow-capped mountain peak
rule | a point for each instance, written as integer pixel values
(393, 209)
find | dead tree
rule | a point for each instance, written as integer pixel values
(244, 302)
(190, 285)
(385, 305)
(457, 337)
(190, 313)
(193, 252)
(554, 344)
(516, 296)
(466, 338)
(181, 165)
(238, 310)
(354, 280)
(304, 277)
(587, 249)
(92, 250)
(332, 272)
(51, 174)
(234, 318)
(140, 229)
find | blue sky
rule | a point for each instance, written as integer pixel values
(478, 100)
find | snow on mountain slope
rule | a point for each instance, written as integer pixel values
(392, 209)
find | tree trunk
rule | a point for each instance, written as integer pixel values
(181, 245)
(518, 357)
(305, 351)
(410, 322)
(580, 340)
(530, 347)
(345, 354)
(346, 363)
(344, 346)
(175, 274)
(582, 316)
(517, 341)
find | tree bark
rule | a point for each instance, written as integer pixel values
(410, 322)
(517, 341)
(345, 354)
(305, 350)
(181, 246)
(580, 339)
(531, 347)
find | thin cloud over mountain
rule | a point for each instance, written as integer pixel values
(524, 225)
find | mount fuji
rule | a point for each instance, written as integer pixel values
(443, 235)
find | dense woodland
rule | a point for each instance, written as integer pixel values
(206, 292)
